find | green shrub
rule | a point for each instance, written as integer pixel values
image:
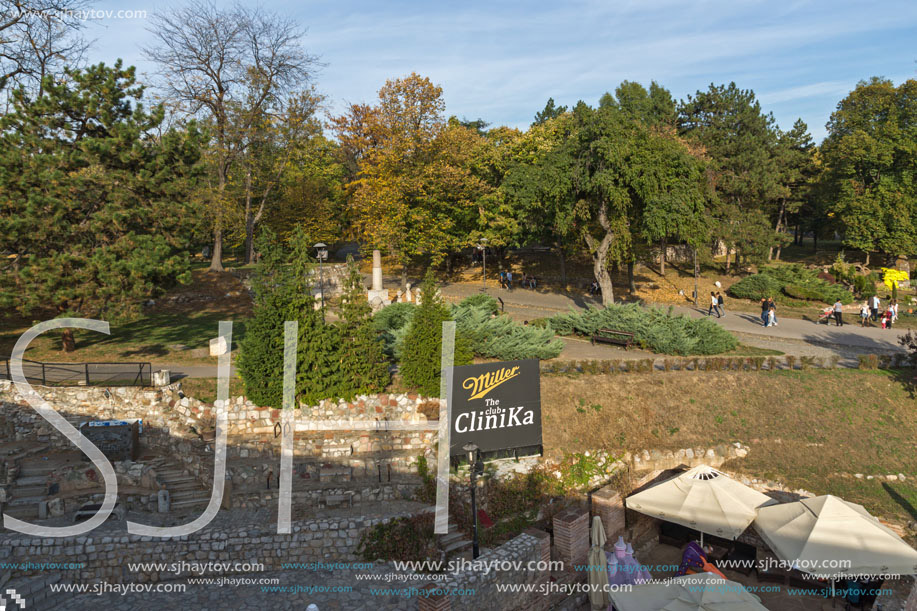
(481, 301)
(868, 361)
(421, 347)
(756, 287)
(654, 328)
(828, 293)
(391, 321)
(399, 539)
(501, 337)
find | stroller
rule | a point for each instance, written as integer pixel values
(825, 315)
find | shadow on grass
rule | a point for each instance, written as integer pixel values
(902, 502)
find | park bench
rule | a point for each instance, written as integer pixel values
(611, 336)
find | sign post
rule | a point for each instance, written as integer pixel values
(497, 407)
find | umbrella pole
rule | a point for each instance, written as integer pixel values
(702, 539)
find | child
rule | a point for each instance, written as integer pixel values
(771, 317)
(864, 314)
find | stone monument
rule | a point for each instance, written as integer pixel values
(377, 295)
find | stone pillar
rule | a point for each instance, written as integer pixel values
(571, 536)
(436, 602)
(164, 503)
(609, 506)
(377, 295)
(377, 270)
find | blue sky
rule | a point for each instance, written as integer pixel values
(502, 60)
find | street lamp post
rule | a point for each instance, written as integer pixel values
(321, 253)
(695, 276)
(476, 468)
(483, 248)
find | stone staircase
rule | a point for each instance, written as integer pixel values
(29, 489)
(454, 543)
(185, 491)
(35, 592)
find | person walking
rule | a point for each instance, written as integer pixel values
(894, 309)
(502, 279)
(509, 279)
(864, 314)
(874, 305)
(714, 305)
(721, 303)
(765, 308)
(772, 305)
(838, 313)
(771, 317)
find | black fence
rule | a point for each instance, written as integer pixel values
(81, 374)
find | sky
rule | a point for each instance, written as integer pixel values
(501, 61)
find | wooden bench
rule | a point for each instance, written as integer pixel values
(611, 336)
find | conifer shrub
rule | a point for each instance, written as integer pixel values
(364, 367)
(421, 349)
(655, 329)
(501, 337)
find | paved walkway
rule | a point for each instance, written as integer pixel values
(791, 335)
(540, 303)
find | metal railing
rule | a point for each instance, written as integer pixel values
(81, 374)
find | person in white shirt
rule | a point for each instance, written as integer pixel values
(874, 303)
(864, 314)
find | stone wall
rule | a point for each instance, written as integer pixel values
(176, 426)
(532, 546)
(107, 556)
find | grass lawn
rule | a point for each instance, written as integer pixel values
(187, 316)
(810, 429)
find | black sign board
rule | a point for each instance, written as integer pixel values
(498, 407)
(118, 440)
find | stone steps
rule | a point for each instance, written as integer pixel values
(22, 512)
(453, 542)
(26, 500)
(186, 504)
(36, 593)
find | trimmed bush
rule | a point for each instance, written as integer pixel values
(654, 328)
(792, 280)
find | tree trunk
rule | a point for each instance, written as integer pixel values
(728, 252)
(67, 340)
(599, 250)
(631, 284)
(662, 258)
(216, 259)
(866, 263)
(249, 220)
(796, 235)
(815, 240)
(562, 259)
(770, 251)
(404, 276)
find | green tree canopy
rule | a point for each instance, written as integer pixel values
(94, 198)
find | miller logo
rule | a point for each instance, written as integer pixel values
(14, 598)
(484, 383)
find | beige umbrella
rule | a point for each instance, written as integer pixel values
(815, 533)
(704, 499)
(701, 592)
(598, 567)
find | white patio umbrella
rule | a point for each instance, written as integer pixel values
(704, 499)
(815, 533)
(598, 567)
(701, 592)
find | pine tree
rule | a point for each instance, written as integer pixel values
(261, 360)
(364, 367)
(318, 370)
(95, 206)
(283, 291)
(421, 354)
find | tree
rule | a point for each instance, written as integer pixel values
(871, 164)
(261, 356)
(364, 367)
(796, 163)
(93, 200)
(422, 348)
(224, 61)
(550, 111)
(740, 142)
(37, 38)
